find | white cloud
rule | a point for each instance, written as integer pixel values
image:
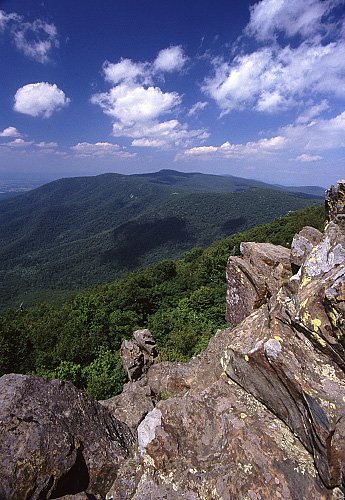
(307, 158)
(6, 18)
(313, 111)
(170, 60)
(291, 17)
(137, 106)
(130, 104)
(18, 143)
(160, 134)
(10, 132)
(274, 78)
(228, 150)
(317, 135)
(35, 39)
(197, 107)
(138, 73)
(124, 71)
(201, 151)
(100, 150)
(46, 145)
(305, 139)
(40, 99)
(148, 143)
(281, 74)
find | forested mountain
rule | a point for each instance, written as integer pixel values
(72, 233)
(181, 301)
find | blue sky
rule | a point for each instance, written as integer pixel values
(254, 89)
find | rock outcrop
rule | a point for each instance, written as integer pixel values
(55, 441)
(254, 278)
(138, 355)
(261, 413)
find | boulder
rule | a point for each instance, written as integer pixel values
(138, 355)
(132, 404)
(302, 244)
(254, 278)
(335, 201)
(55, 441)
(299, 384)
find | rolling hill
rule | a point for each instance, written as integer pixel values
(72, 233)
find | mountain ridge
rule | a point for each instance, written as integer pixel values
(74, 232)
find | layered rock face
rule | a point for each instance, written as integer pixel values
(261, 413)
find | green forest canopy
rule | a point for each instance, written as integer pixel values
(181, 301)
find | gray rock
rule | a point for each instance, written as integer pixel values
(132, 404)
(138, 355)
(302, 244)
(251, 280)
(55, 441)
(335, 201)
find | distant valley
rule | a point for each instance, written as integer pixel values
(76, 232)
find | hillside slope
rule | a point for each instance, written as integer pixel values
(181, 301)
(75, 232)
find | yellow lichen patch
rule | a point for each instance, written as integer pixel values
(344, 399)
(246, 357)
(333, 316)
(305, 317)
(333, 406)
(243, 415)
(316, 324)
(280, 296)
(306, 279)
(304, 302)
(276, 337)
(319, 339)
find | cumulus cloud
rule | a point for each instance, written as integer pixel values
(125, 71)
(18, 143)
(273, 78)
(201, 151)
(307, 140)
(281, 73)
(148, 143)
(10, 132)
(307, 158)
(160, 134)
(138, 107)
(197, 107)
(130, 104)
(35, 39)
(40, 99)
(291, 17)
(100, 150)
(228, 150)
(170, 60)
